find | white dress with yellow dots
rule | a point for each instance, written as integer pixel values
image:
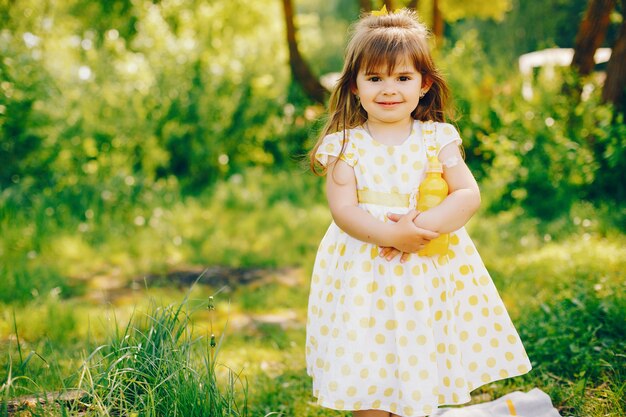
(403, 338)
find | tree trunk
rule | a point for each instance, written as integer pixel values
(365, 6)
(300, 71)
(591, 34)
(615, 83)
(412, 4)
(437, 23)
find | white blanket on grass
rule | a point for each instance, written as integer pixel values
(534, 403)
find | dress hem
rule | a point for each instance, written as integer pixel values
(464, 400)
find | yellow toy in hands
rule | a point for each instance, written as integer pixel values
(432, 191)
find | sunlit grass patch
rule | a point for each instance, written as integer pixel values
(578, 337)
(559, 270)
(288, 394)
(272, 296)
(151, 368)
(577, 345)
(258, 218)
(157, 363)
(530, 266)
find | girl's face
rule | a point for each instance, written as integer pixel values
(390, 98)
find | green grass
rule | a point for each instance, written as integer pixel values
(562, 282)
(152, 368)
(255, 219)
(156, 364)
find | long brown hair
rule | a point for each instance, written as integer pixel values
(382, 41)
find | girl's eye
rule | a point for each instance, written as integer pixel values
(404, 78)
(374, 79)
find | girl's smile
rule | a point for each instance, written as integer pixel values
(388, 103)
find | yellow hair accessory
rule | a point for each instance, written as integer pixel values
(381, 12)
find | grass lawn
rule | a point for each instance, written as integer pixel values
(82, 282)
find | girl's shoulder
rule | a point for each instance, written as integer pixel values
(441, 128)
(446, 129)
(354, 133)
(341, 144)
(349, 138)
(440, 132)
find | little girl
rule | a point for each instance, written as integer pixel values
(391, 332)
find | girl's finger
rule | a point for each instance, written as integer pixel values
(392, 254)
(428, 234)
(405, 257)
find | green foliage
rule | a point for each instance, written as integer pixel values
(133, 229)
(97, 96)
(273, 296)
(24, 87)
(264, 219)
(150, 369)
(527, 26)
(579, 337)
(94, 91)
(543, 154)
(153, 366)
(457, 9)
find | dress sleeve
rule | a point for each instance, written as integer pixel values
(446, 134)
(331, 146)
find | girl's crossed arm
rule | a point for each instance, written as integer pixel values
(455, 211)
(463, 196)
(342, 200)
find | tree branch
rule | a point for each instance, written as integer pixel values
(437, 23)
(591, 34)
(365, 5)
(412, 4)
(300, 71)
(615, 83)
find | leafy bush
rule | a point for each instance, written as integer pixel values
(543, 154)
(151, 94)
(149, 91)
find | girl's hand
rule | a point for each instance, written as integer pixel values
(426, 235)
(422, 238)
(406, 236)
(389, 253)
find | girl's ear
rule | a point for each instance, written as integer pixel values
(426, 84)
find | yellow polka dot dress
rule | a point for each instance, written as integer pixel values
(403, 338)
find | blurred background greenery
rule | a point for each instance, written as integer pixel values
(143, 137)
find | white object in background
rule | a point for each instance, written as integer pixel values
(329, 80)
(534, 403)
(549, 58)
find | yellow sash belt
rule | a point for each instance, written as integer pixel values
(383, 199)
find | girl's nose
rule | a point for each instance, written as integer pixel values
(388, 88)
